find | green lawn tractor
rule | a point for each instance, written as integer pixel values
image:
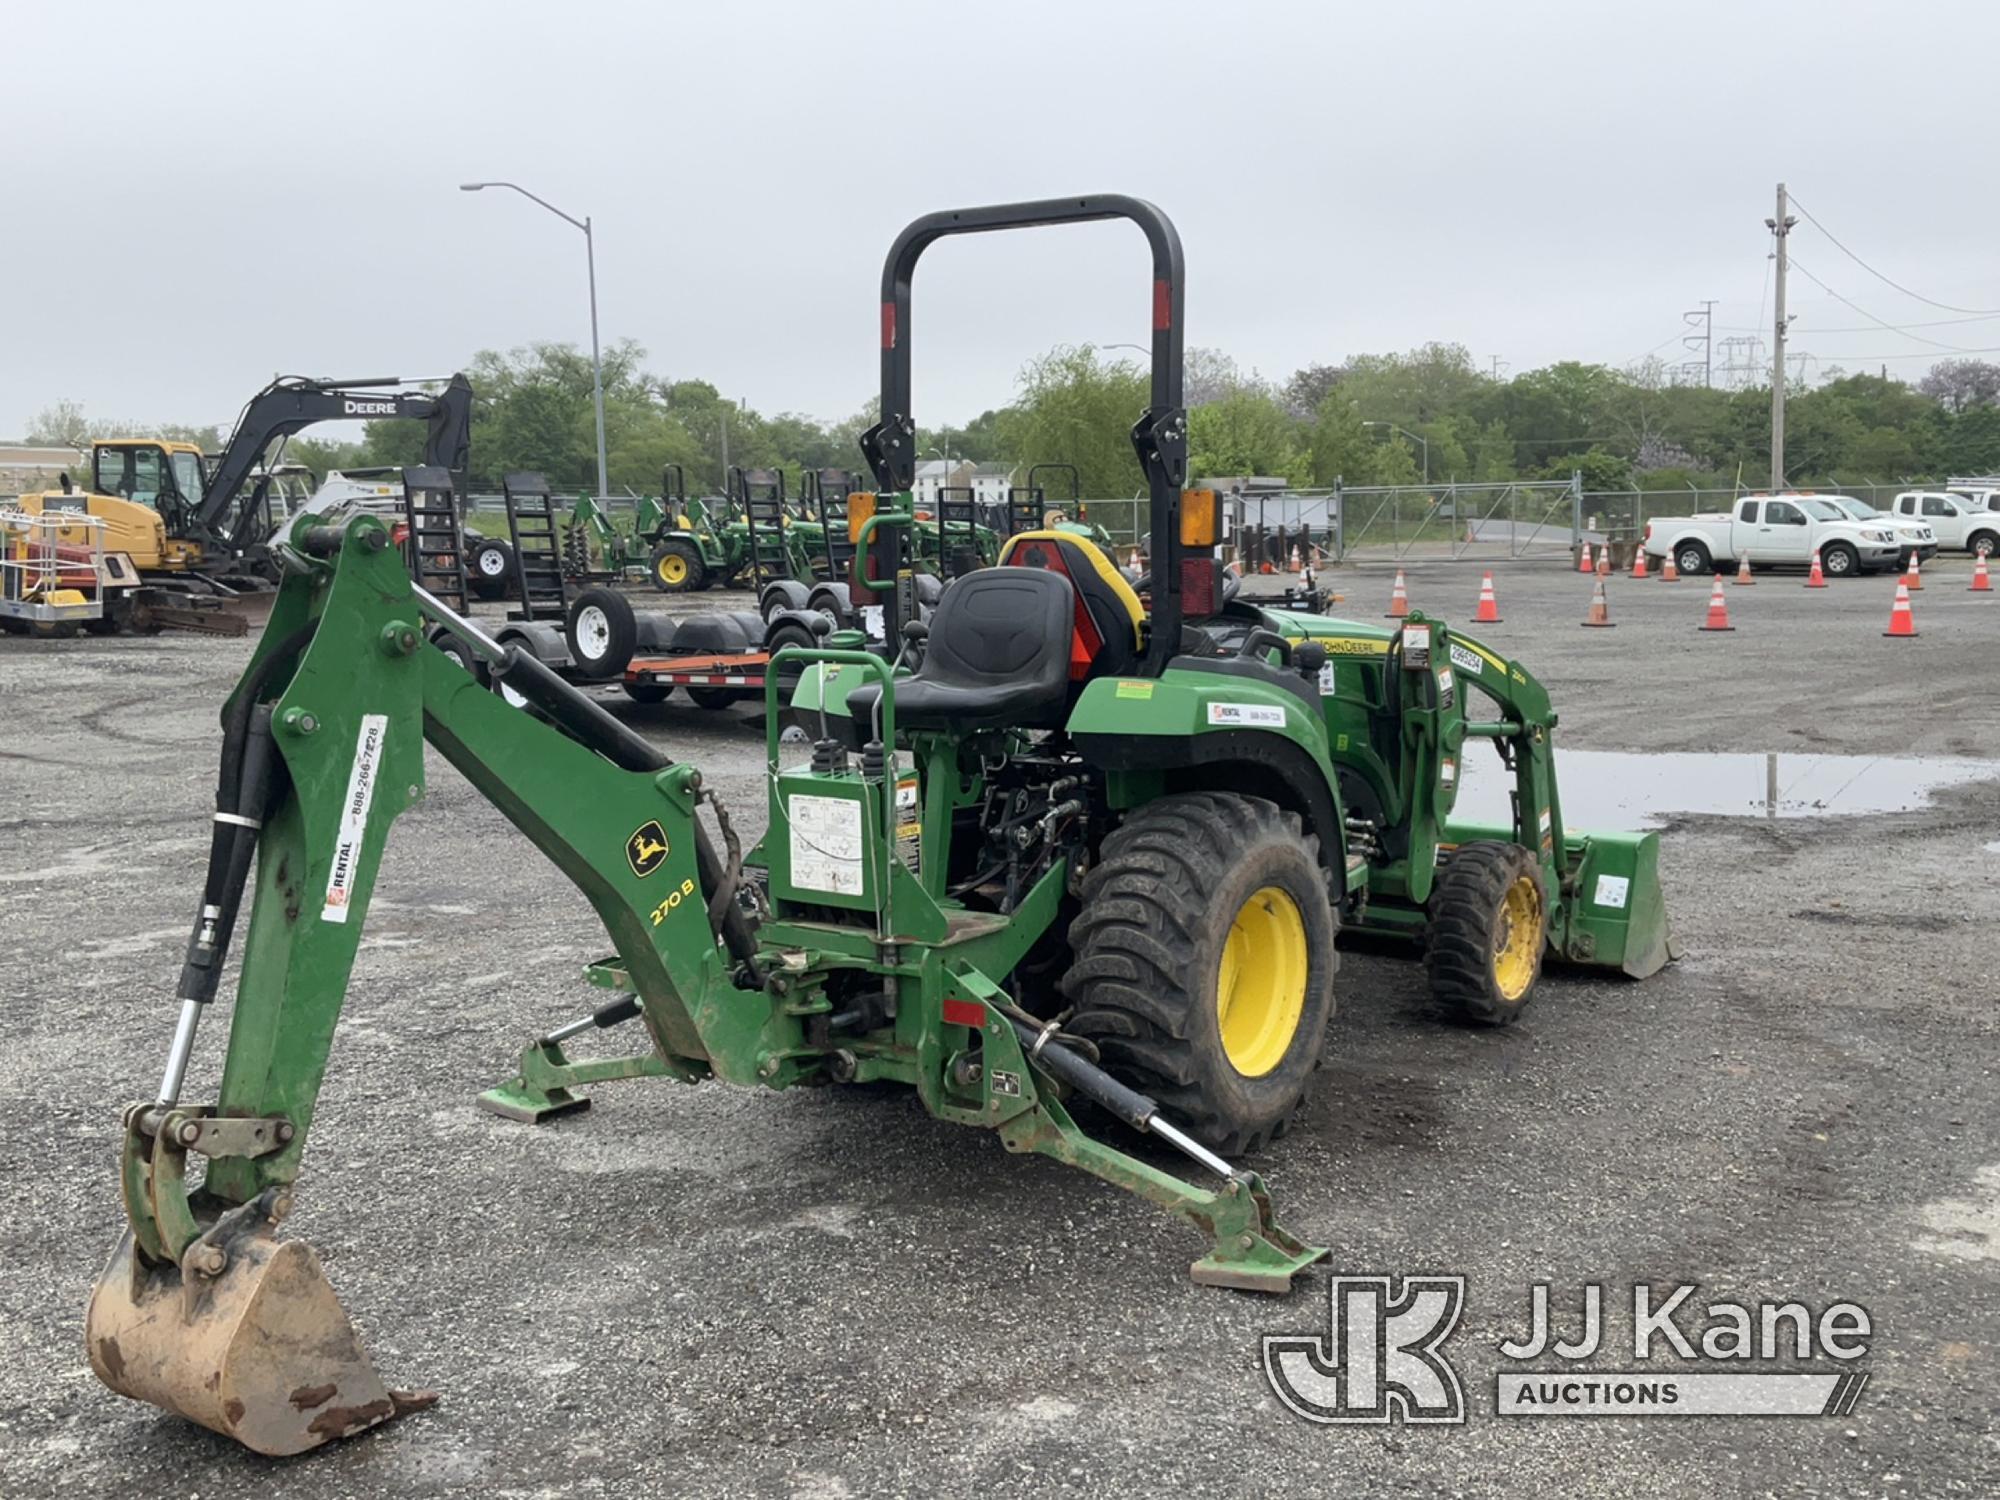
(1071, 867)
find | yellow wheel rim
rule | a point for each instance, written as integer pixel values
(1260, 989)
(1517, 937)
(673, 568)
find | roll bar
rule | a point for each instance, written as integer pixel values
(1159, 437)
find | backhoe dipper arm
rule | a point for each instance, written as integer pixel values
(228, 513)
(202, 1309)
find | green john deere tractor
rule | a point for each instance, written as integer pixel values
(1082, 842)
(763, 539)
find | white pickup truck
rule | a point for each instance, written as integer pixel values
(1774, 531)
(1960, 524)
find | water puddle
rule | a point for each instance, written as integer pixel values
(1624, 789)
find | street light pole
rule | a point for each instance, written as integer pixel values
(596, 355)
(1415, 437)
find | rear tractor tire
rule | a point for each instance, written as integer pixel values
(1489, 928)
(1204, 963)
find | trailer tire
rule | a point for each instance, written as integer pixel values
(781, 594)
(675, 567)
(1692, 557)
(713, 697)
(475, 665)
(1838, 560)
(1204, 963)
(647, 692)
(489, 566)
(834, 601)
(782, 634)
(1489, 928)
(601, 633)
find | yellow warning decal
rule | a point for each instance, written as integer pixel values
(1135, 689)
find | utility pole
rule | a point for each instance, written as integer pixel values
(1705, 339)
(1780, 227)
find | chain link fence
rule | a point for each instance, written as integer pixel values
(1502, 522)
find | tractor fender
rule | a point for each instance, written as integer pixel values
(1218, 724)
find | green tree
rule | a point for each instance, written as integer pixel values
(1247, 431)
(1075, 408)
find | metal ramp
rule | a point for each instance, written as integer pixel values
(434, 539)
(761, 494)
(825, 493)
(957, 530)
(538, 555)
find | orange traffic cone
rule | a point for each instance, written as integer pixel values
(1599, 617)
(1743, 571)
(1718, 610)
(1639, 561)
(1901, 621)
(1668, 572)
(1583, 562)
(1399, 598)
(1913, 579)
(1133, 562)
(1488, 612)
(1980, 583)
(1604, 561)
(1295, 557)
(1815, 579)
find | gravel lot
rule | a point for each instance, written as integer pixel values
(706, 1291)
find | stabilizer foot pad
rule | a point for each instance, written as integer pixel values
(531, 1106)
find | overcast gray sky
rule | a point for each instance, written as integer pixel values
(201, 196)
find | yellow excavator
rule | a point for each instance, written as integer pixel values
(193, 526)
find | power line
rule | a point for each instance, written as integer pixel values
(1893, 328)
(1870, 328)
(1919, 296)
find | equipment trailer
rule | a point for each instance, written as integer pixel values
(1093, 846)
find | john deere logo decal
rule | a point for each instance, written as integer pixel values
(646, 849)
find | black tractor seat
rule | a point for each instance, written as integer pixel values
(997, 657)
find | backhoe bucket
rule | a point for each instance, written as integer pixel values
(262, 1352)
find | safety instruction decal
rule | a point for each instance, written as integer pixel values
(1135, 689)
(826, 844)
(1612, 891)
(354, 817)
(1246, 715)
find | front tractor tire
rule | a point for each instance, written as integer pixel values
(676, 568)
(1488, 930)
(1204, 963)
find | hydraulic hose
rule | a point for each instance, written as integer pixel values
(244, 775)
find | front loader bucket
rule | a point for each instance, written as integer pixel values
(1620, 919)
(262, 1352)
